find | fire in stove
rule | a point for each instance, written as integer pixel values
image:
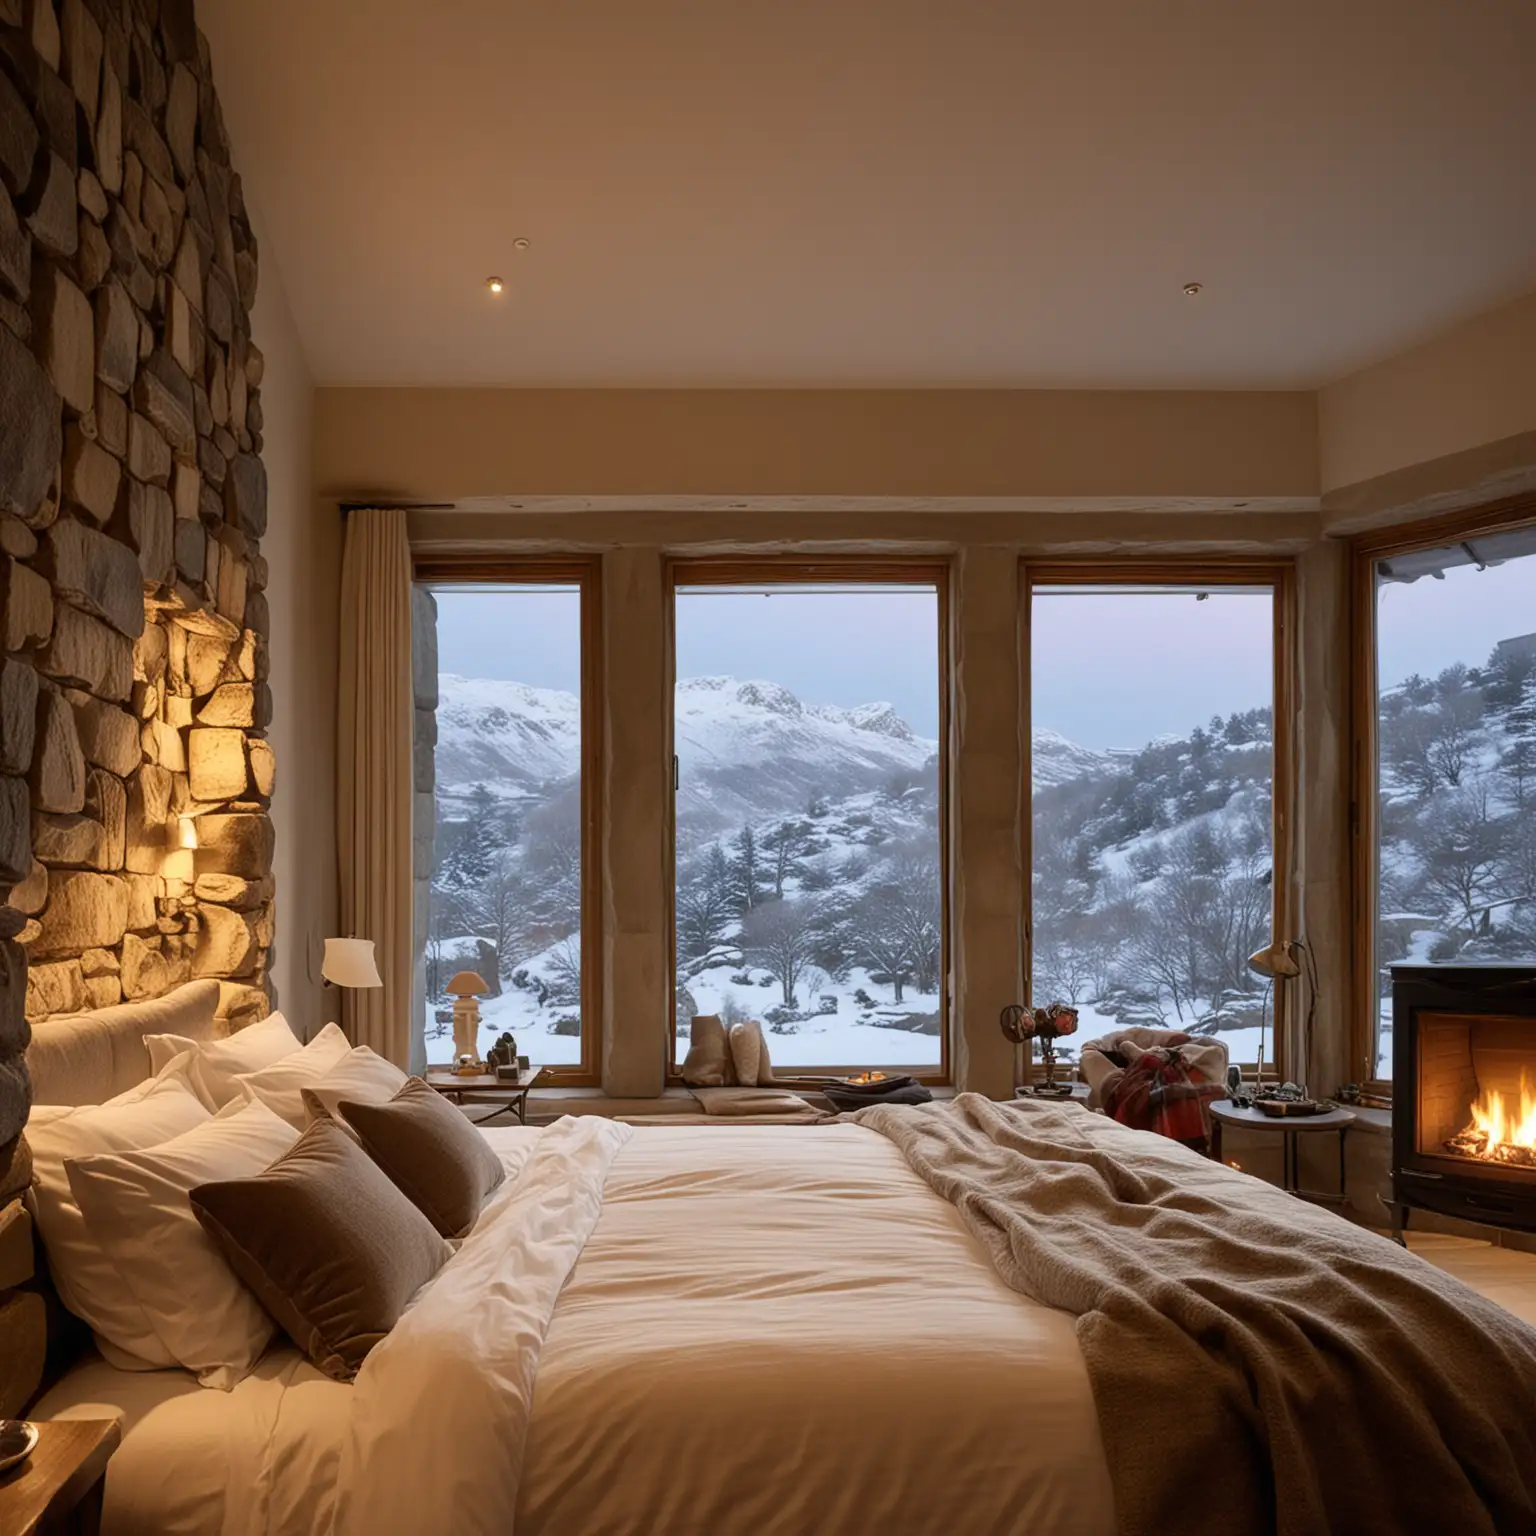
(1500, 1131)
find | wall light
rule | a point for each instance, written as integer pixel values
(186, 832)
(494, 284)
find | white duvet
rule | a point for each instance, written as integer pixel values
(440, 1409)
(772, 1331)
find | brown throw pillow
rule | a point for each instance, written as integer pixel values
(441, 1163)
(327, 1244)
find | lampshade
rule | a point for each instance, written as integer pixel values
(1275, 961)
(350, 963)
(468, 984)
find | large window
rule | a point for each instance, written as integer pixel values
(810, 894)
(501, 878)
(1154, 777)
(1449, 825)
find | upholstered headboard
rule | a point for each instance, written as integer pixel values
(88, 1058)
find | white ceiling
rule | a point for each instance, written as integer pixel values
(882, 192)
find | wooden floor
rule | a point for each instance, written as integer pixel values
(1500, 1274)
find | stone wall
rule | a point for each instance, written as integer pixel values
(133, 616)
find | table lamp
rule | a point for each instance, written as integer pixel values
(466, 987)
(1275, 964)
(350, 963)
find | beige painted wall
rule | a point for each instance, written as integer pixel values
(301, 548)
(1152, 448)
(1471, 387)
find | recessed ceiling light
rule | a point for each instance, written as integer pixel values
(1191, 289)
(494, 284)
(521, 243)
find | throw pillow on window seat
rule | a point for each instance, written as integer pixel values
(708, 1063)
(749, 1054)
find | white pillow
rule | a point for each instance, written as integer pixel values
(86, 1278)
(136, 1206)
(361, 1077)
(280, 1086)
(217, 1065)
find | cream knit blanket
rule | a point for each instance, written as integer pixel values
(1258, 1364)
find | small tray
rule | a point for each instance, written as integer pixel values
(18, 1439)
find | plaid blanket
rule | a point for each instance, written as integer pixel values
(1158, 1091)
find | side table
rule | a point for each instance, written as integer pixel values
(58, 1488)
(1288, 1127)
(508, 1095)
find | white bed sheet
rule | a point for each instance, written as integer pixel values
(772, 1330)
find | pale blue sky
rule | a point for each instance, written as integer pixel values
(844, 647)
(1118, 669)
(1109, 670)
(1426, 625)
(522, 635)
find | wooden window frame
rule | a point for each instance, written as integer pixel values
(686, 571)
(585, 572)
(1366, 549)
(1280, 576)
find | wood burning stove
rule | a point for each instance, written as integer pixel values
(1464, 1093)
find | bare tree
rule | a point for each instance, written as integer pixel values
(503, 904)
(880, 937)
(1460, 850)
(1408, 751)
(780, 937)
(564, 968)
(1063, 972)
(1458, 718)
(918, 912)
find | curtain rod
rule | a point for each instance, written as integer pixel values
(381, 505)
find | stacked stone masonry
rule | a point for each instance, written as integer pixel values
(133, 619)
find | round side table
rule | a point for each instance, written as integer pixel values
(1289, 1128)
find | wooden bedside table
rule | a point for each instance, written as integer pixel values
(1288, 1128)
(58, 1488)
(508, 1095)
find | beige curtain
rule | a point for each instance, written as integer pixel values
(374, 774)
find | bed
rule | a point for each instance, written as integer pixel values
(764, 1317)
(716, 1329)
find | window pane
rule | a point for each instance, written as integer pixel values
(808, 897)
(1456, 758)
(1152, 762)
(504, 898)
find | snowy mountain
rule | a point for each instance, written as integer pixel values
(745, 748)
(749, 749)
(1055, 760)
(512, 738)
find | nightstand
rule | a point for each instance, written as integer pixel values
(509, 1095)
(1288, 1128)
(58, 1488)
